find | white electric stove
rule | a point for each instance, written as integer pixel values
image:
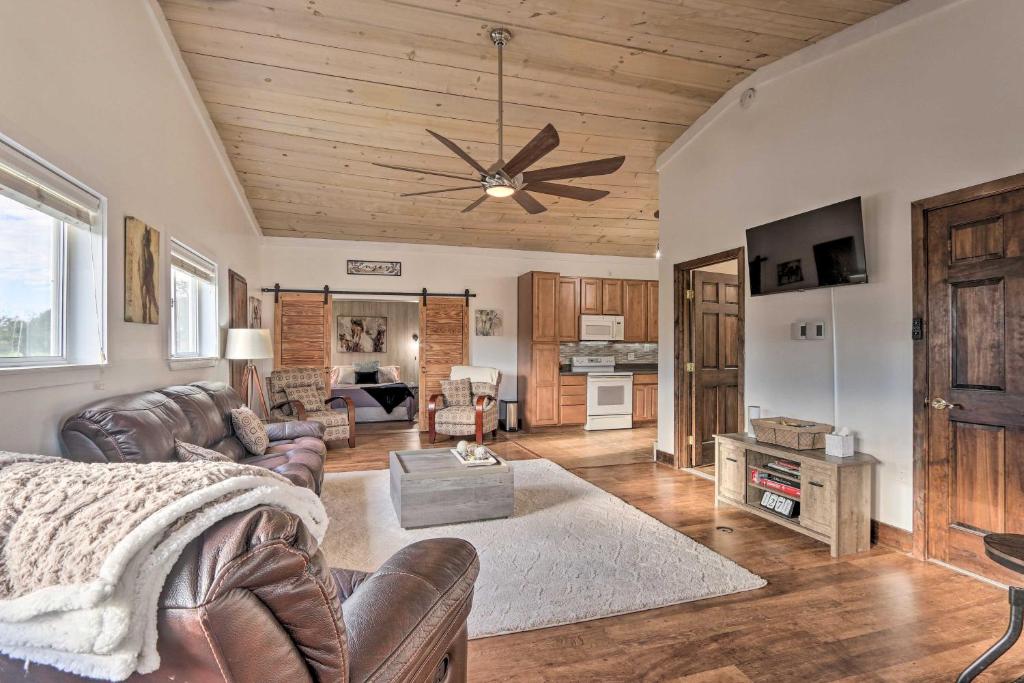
(609, 393)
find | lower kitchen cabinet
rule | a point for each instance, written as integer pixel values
(645, 397)
(573, 399)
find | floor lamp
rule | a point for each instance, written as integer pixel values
(249, 345)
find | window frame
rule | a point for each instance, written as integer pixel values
(79, 344)
(206, 349)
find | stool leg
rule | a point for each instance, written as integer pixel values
(1003, 644)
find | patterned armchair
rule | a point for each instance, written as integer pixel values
(298, 394)
(468, 404)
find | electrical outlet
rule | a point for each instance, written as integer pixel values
(631, 355)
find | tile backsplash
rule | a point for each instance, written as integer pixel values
(645, 353)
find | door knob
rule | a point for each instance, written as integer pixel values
(943, 404)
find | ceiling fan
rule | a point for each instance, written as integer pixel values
(511, 178)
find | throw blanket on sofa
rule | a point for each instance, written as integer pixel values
(85, 549)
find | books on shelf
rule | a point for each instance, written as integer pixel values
(775, 483)
(784, 466)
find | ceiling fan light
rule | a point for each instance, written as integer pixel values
(500, 191)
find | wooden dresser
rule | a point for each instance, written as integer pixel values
(834, 497)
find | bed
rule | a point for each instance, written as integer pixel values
(387, 400)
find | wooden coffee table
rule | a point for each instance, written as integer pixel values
(431, 487)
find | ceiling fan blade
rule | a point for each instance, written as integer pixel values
(459, 152)
(475, 204)
(542, 143)
(583, 169)
(529, 203)
(447, 189)
(420, 170)
(496, 166)
(584, 194)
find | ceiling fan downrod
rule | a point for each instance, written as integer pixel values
(500, 38)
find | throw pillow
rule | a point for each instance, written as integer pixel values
(368, 366)
(310, 398)
(366, 377)
(189, 452)
(485, 389)
(388, 374)
(457, 392)
(250, 431)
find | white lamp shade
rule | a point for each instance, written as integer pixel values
(248, 344)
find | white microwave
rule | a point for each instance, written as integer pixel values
(601, 327)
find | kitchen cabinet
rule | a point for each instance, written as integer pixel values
(645, 397)
(611, 297)
(590, 296)
(543, 406)
(572, 399)
(545, 307)
(568, 314)
(652, 310)
(634, 307)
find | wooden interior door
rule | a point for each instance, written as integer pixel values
(238, 303)
(975, 392)
(302, 332)
(444, 342)
(716, 358)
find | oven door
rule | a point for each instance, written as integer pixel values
(609, 395)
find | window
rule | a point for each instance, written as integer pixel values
(51, 275)
(193, 304)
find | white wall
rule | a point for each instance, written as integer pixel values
(923, 99)
(93, 88)
(490, 273)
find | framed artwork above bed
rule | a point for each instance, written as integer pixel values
(362, 334)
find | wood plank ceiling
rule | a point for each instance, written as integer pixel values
(306, 94)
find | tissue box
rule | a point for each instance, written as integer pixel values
(839, 445)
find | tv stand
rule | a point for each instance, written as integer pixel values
(834, 495)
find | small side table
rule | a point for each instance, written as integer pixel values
(1006, 550)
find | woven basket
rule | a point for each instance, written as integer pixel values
(800, 435)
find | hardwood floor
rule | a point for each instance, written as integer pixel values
(874, 617)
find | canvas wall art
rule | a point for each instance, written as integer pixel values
(141, 272)
(255, 312)
(392, 268)
(362, 334)
(489, 323)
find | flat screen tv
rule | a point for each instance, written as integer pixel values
(820, 248)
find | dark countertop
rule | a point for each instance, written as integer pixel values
(635, 368)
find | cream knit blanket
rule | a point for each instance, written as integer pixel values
(85, 549)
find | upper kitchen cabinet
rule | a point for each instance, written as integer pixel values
(568, 315)
(611, 297)
(634, 308)
(590, 296)
(652, 310)
(542, 296)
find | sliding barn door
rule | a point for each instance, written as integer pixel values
(302, 332)
(444, 342)
(716, 357)
(975, 326)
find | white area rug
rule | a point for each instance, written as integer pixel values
(571, 553)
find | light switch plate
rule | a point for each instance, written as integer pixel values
(817, 329)
(798, 330)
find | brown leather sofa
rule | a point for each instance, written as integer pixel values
(142, 427)
(252, 601)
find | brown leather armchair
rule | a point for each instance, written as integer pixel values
(253, 601)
